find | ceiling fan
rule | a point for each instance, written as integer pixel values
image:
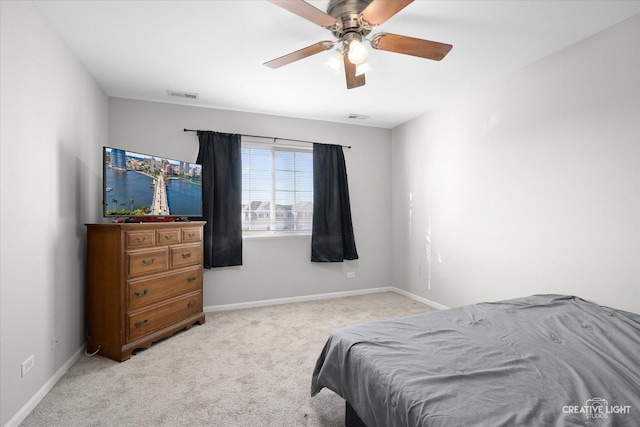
(350, 21)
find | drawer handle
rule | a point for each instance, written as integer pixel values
(191, 279)
(141, 323)
(192, 235)
(141, 239)
(192, 303)
(168, 236)
(187, 255)
(141, 294)
(148, 261)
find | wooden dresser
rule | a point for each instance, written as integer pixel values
(144, 283)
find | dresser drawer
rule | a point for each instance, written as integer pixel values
(185, 255)
(147, 261)
(191, 235)
(140, 239)
(148, 321)
(168, 237)
(143, 292)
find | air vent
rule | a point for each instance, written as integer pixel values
(183, 94)
(352, 116)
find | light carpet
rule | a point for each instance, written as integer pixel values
(248, 367)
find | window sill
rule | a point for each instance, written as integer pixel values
(277, 236)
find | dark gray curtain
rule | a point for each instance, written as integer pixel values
(221, 160)
(332, 238)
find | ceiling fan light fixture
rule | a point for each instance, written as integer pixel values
(334, 63)
(363, 68)
(357, 52)
(350, 22)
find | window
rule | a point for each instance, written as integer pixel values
(277, 189)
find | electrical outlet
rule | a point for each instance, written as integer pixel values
(351, 275)
(55, 341)
(27, 365)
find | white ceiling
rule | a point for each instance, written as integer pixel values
(141, 49)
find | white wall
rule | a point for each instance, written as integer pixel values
(53, 121)
(277, 268)
(529, 185)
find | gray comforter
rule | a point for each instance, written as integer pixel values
(544, 360)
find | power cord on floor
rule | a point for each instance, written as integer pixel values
(91, 354)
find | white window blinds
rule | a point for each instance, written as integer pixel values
(277, 189)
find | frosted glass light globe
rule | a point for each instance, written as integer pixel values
(334, 62)
(357, 52)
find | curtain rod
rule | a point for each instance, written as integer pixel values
(271, 137)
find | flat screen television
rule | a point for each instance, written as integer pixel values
(143, 185)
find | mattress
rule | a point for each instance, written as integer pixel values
(552, 360)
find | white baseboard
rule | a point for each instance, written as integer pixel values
(278, 301)
(420, 299)
(264, 303)
(42, 392)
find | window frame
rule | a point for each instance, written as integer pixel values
(273, 146)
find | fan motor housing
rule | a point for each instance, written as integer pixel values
(347, 13)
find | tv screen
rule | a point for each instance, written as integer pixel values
(139, 185)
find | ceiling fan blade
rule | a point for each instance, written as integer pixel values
(410, 46)
(306, 11)
(379, 11)
(353, 81)
(300, 54)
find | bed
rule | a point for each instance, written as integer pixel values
(542, 360)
